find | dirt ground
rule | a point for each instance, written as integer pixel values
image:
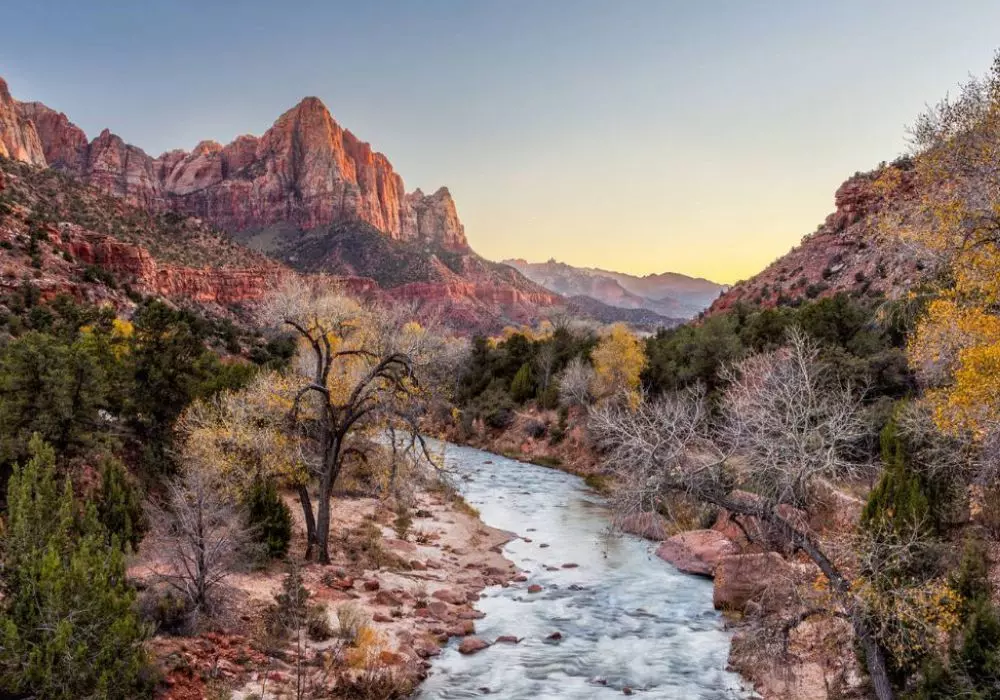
(420, 596)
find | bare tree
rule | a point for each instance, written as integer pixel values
(575, 383)
(356, 369)
(198, 534)
(545, 362)
(787, 423)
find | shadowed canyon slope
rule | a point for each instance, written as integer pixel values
(307, 192)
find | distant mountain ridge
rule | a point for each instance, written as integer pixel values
(668, 294)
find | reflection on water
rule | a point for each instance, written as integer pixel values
(626, 618)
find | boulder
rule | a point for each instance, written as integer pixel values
(696, 551)
(647, 525)
(740, 578)
(472, 645)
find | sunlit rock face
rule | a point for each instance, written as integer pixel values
(306, 171)
(19, 138)
(306, 192)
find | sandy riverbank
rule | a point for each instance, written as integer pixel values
(413, 595)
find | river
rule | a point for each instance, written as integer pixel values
(626, 618)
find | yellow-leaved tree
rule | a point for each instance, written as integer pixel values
(618, 361)
(956, 222)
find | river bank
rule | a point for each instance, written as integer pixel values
(818, 661)
(410, 594)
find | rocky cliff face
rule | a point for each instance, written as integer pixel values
(848, 253)
(306, 192)
(19, 138)
(306, 170)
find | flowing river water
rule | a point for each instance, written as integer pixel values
(626, 618)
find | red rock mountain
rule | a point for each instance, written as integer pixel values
(306, 170)
(307, 192)
(19, 138)
(849, 252)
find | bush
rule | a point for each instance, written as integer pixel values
(378, 683)
(166, 611)
(318, 623)
(548, 398)
(269, 518)
(500, 418)
(351, 619)
(119, 506)
(534, 429)
(67, 614)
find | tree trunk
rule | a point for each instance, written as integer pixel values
(875, 660)
(307, 513)
(323, 517)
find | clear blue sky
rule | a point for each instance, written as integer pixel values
(701, 137)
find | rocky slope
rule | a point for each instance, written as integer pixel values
(851, 251)
(668, 294)
(64, 237)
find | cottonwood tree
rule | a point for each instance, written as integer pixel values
(618, 361)
(198, 535)
(358, 370)
(785, 426)
(956, 223)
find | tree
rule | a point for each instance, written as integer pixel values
(67, 625)
(618, 362)
(119, 506)
(198, 536)
(51, 387)
(575, 383)
(523, 386)
(170, 366)
(786, 425)
(268, 517)
(357, 372)
(546, 359)
(956, 224)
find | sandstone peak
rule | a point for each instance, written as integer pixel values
(306, 170)
(207, 146)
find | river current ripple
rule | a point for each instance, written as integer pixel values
(627, 619)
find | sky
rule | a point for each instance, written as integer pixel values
(636, 135)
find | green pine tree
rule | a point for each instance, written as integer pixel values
(119, 506)
(522, 387)
(269, 518)
(899, 503)
(68, 629)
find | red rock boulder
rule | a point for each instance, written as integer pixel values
(697, 551)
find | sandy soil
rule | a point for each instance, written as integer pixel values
(414, 605)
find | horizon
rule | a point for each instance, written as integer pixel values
(555, 128)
